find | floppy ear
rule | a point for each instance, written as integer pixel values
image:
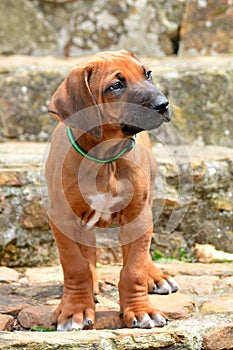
(74, 104)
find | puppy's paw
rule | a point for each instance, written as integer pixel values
(150, 321)
(165, 286)
(74, 313)
(141, 319)
(75, 323)
(160, 283)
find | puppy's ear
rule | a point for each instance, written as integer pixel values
(74, 104)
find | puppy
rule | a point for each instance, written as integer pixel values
(101, 171)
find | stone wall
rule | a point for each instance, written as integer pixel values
(25, 238)
(199, 91)
(207, 28)
(192, 203)
(77, 27)
(196, 197)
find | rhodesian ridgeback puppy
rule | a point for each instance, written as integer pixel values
(101, 170)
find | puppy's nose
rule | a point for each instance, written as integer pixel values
(160, 105)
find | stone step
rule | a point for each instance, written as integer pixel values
(199, 90)
(200, 312)
(192, 204)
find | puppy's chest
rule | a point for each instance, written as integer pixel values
(109, 194)
(108, 200)
(104, 207)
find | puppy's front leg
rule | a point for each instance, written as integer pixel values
(133, 287)
(77, 307)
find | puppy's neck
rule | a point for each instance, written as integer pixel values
(111, 143)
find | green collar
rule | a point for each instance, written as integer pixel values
(97, 160)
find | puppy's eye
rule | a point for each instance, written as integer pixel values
(118, 85)
(149, 75)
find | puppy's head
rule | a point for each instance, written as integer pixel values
(112, 91)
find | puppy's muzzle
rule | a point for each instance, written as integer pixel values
(161, 106)
(150, 108)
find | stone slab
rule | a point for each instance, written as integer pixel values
(41, 316)
(123, 339)
(8, 275)
(197, 285)
(31, 316)
(222, 304)
(196, 269)
(6, 322)
(109, 274)
(102, 340)
(220, 337)
(175, 306)
(44, 275)
(12, 305)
